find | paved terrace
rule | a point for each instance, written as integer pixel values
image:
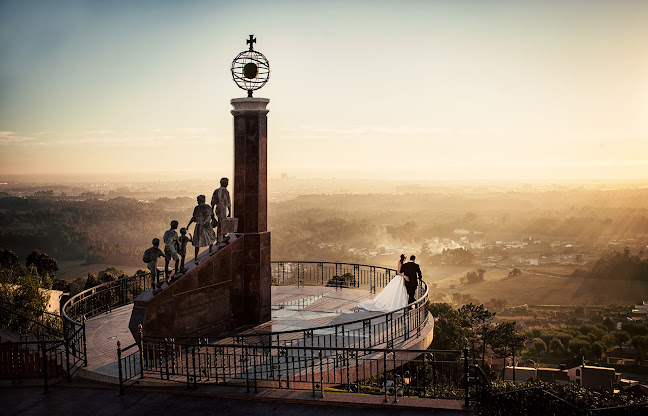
(293, 309)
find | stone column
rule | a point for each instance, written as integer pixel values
(250, 203)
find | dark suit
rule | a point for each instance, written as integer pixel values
(413, 272)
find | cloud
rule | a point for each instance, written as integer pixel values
(401, 131)
(100, 132)
(10, 137)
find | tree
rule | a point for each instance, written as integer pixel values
(476, 320)
(634, 329)
(448, 331)
(539, 345)
(77, 286)
(457, 257)
(609, 340)
(578, 346)
(24, 286)
(8, 259)
(62, 285)
(481, 273)
(598, 348)
(609, 324)
(45, 264)
(621, 337)
(555, 346)
(92, 281)
(496, 304)
(640, 345)
(506, 339)
(515, 272)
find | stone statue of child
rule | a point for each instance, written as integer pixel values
(182, 251)
(171, 246)
(222, 205)
(150, 258)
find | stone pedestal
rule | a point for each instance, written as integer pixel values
(250, 164)
(250, 203)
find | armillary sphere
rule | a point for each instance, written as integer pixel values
(250, 69)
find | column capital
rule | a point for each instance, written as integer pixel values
(245, 105)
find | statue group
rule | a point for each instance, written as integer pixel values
(206, 217)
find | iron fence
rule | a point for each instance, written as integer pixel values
(389, 372)
(45, 360)
(95, 301)
(129, 361)
(332, 274)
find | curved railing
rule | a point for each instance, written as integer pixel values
(105, 297)
(95, 301)
(381, 329)
(385, 328)
(324, 273)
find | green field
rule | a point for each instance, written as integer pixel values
(536, 290)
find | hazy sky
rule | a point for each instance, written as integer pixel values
(449, 89)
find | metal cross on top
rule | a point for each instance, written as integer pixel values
(251, 42)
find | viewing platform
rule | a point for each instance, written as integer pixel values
(315, 327)
(319, 309)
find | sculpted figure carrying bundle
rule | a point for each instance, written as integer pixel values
(203, 232)
(222, 206)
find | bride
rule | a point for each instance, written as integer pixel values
(392, 297)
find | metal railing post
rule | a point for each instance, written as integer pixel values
(44, 366)
(186, 354)
(85, 348)
(247, 369)
(119, 364)
(466, 376)
(193, 363)
(313, 370)
(394, 378)
(140, 345)
(67, 352)
(385, 372)
(321, 358)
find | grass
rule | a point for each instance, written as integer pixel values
(542, 290)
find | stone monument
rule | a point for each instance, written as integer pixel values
(231, 287)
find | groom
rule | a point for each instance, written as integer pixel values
(413, 273)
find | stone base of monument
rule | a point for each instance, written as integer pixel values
(228, 288)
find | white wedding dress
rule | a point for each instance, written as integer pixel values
(392, 297)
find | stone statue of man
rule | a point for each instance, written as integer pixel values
(222, 206)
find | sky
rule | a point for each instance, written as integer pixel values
(408, 90)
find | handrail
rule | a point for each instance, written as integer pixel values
(12, 308)
(53, 315)
(102, 288)
(391, 372)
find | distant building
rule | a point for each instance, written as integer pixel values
(552, 375)
(641, 310)
(521, 374)
(621, 356)
(53, 299)
(595, 378)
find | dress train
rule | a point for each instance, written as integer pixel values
(392, 297)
